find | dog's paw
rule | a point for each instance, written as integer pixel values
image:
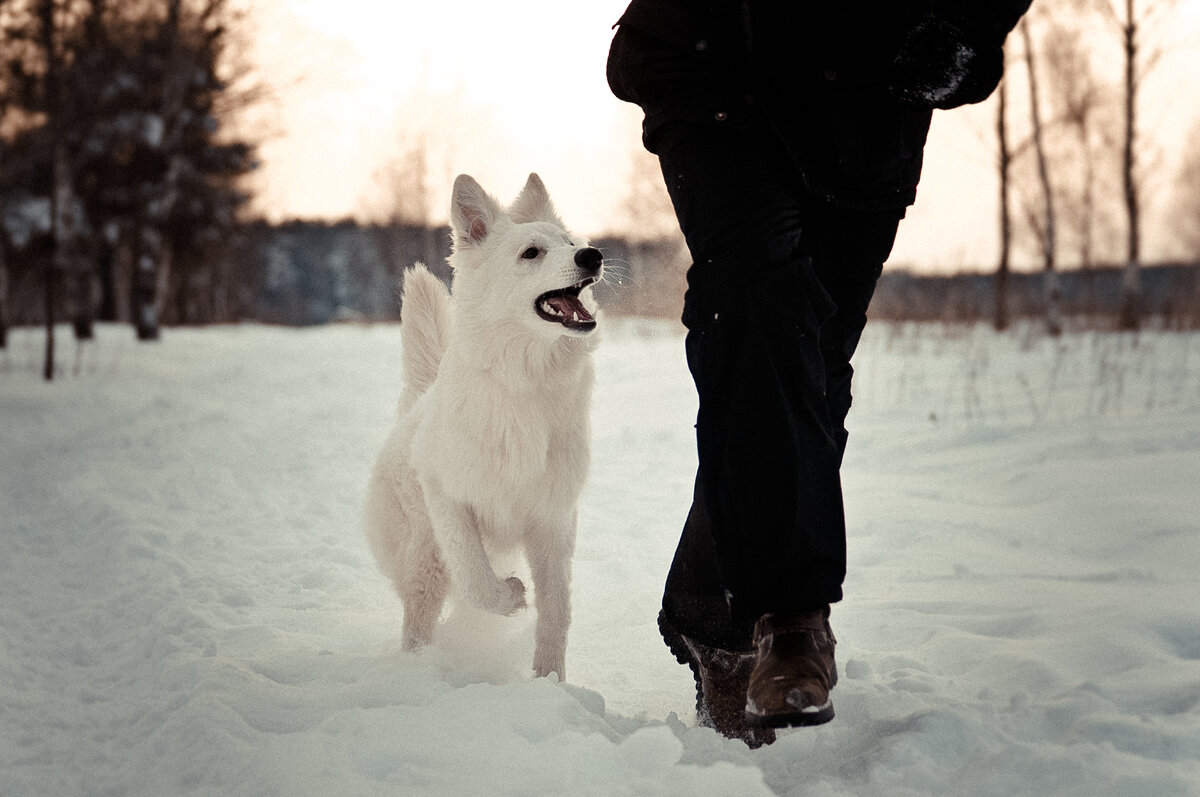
(515, 600)
(544, 666)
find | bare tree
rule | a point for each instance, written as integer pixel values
(423, 151)
(1132, 19)
(1084, 147)
(1078, 99)
(1131, 289)
(1048, 228)
(405, 213)
(404, 179)
(1000, 319)
(404, 229)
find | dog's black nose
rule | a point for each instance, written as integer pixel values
(589, 258)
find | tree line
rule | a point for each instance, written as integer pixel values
(308, 273)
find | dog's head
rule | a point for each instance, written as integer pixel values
(521, 264)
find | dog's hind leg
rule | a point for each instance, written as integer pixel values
(461, 545)
(549, 552)
(423, 591)
(402, 541)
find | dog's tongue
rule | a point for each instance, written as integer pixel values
(570, 309)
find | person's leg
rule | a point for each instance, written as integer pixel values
(740, 211)
(795, 670)
(766, 530)
(848, 249)
(776, 305)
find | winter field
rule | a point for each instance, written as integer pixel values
(188, 605)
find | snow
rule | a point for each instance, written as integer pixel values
(188, 605)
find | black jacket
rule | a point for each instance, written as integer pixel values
(849, 86)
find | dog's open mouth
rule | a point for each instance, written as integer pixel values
(562, 306)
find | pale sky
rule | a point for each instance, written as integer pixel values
(498, 90)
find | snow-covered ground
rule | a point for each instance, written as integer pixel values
(188, 605)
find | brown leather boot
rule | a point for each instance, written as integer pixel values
(721, 680)
(794, 671)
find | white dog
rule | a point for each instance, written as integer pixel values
(492, 443)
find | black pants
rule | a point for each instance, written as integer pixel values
(776, 303)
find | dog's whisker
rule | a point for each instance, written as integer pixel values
(617, 267)
(620, 277)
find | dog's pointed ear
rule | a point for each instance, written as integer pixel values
(472, 211)
(533, 204)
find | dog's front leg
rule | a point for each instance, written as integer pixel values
(456, 529)
(550, 551)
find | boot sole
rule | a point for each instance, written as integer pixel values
(793, 719)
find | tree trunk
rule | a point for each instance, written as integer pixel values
(1087, 213)
(123, 263)
(107, 270)
(3, 298)
(1087, 210)
(51, 289)
(145, 284)
(163, 262)
(1005, 162)
(1049, 236)
(83, 284)
(46, 19)
(1131, 282)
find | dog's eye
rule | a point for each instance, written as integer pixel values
(531, 253)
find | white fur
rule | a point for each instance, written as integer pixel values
(492, 443)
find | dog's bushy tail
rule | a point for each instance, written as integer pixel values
(425, 327)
